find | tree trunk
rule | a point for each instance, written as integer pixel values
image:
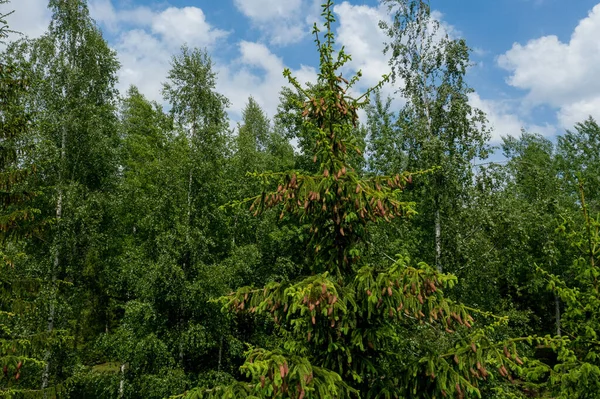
(437, 217)
(438, 241)
(189, 205)
(52, 311)
(187, 254)
(55, 261)
(53, 294)
(122, 382)
(180, 323)
(557, 313)
(220, 353)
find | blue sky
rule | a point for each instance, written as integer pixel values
(537, 62)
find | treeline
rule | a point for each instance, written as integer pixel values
(149, 253)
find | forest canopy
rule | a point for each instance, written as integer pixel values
(346, 247)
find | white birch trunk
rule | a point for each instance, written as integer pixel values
(438, 240)
(55, 263)
(122, 382)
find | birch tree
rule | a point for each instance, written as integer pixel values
(75, 103)
(437, 127)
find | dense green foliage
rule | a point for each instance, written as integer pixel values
(17, 222)
(152, 254)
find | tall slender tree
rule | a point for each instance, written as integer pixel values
(200, 118)
(75, 103)
(253, 133)
(200, 112)
(438, 126)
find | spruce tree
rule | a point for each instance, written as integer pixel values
(15, 122)
(19, 220)
(16, 220)
(348, 328)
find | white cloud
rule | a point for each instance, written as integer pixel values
(147, 39)
(357, 30)
(186, 25)
(504, 120)
(104, 12)
(240, 79)
(175, 25)
(144, 62)
(579, 111)
(563, 75)
(280, 21)
(359, 33)
(146, 43)
(266, 10)
(31, 17)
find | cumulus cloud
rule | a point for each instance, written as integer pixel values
(147, 39)
(357, 30)
(562, 75)
(280, 21)
(188, 24)
(240, 79)
(504, 120)
(144, 62)
(104, 12)
(579, 111)
(174, 25)
(31, 17)
(359, 33)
